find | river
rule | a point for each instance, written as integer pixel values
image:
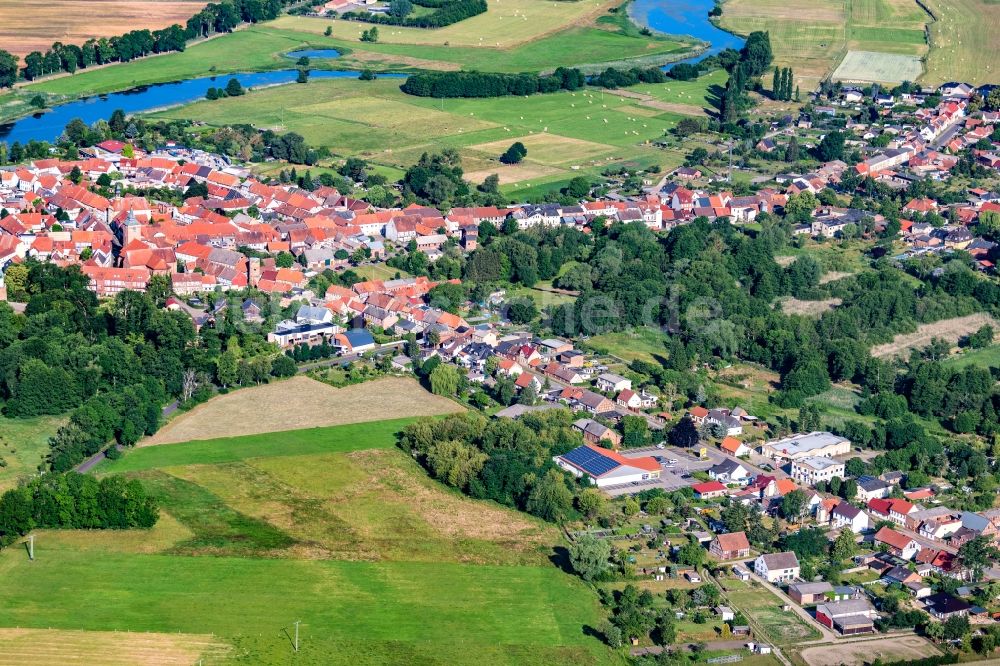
(684, 17)
(48, 125)
(672, 17)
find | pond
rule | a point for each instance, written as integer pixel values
(314, 54)
(49, 125)
(684, 17)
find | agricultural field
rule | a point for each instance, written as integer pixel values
(102, 648)
(579, 133)
(964, 41)
(301, 402)
(814, 37)
(334, 527)
(30, 25)
(867, 66)
(24, 444)
(560, 33)
(947, 329)
(890, 650)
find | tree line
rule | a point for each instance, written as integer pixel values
(498, 84)
(445, 13)
(75, 501)
(219, 17)
(505, 460)
(112, 367)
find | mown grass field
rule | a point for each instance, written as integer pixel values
(334, 527)
(567, 134)
(102, 648)
(643, 344)
(351, 612)
(29, 25)
(302, 402)
(24, 444)
(965, 39)
(813, 36)
(344, 438)
(554, 34)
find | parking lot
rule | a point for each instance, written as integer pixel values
(671, 477)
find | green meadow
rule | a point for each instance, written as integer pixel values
(24, 443)
(567, 133)
(334, 527)
(352, 437)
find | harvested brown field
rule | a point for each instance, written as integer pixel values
(896, 650)
(808, 308)
(299, 403)
(946, 329)
(105, 648)
(29, 25)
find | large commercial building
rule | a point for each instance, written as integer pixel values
(810, 445)
(607, 468)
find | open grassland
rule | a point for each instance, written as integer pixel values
(344, 532)
(891, 650)
(351, 612)
(554, 34)
(813, 36)
(796, 306)
(639, 344)
(947, 329)
(374, 505)
(102, 648)
(301, 402)
(567, 134)
(507, 23)
(24, 444)
(988, 357)
(33, 25)
(344, 438)
(965, 39)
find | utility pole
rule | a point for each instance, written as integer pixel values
(297, 635)
(31, 547)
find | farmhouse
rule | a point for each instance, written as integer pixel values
(775, 567)
(730, 546)
(607, 468)
(854, 616)
(813, 444)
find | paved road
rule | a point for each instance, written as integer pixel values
(93, 460)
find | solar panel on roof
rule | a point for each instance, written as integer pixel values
(590, 461)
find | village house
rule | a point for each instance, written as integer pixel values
(730, 546)
(611, 383)
(805, 594)
(729, 471)
(943, 606)
(597, 433)
(708, 490)
(897, 543)
(847, 515)
(777, 567)
(734, 447)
